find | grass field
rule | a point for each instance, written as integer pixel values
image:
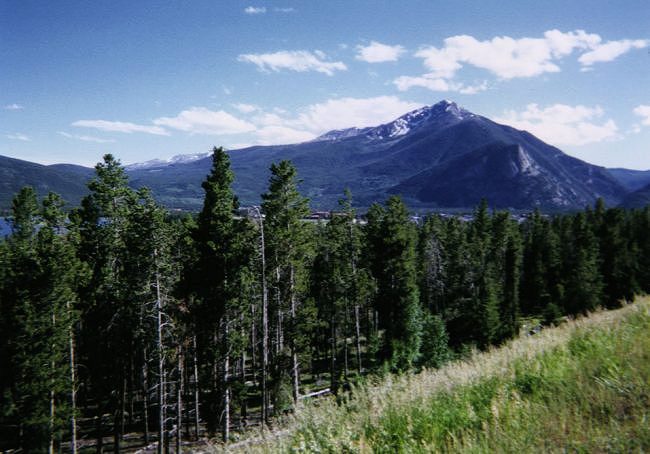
(580, 387)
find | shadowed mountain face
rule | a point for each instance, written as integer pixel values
(69, 181)
(439, 156)
(637, 199)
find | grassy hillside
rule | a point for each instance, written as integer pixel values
(581, 387)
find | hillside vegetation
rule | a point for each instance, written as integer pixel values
(580, 387)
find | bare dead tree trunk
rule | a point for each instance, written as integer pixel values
(345, 341)
(355, 295)
(52, 403)
(195, 362)
(294, 354)
(145, 400)
(265, 328)
(357, 335)
(334, 379)
(226, 383)
(279, 344)
(179, 400)
(161, 367)
(73, 387)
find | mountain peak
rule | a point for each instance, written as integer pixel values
(444, 112)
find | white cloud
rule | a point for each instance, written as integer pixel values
(277, 127)
(13, 106)
(296, 60)
(282, 135)
(246, 108)
(18, 136)
(644, 112)
(85, 138)
(377, 52)
(348, 112)
(255, 10)
(561, 124)
(120, 126)
(199, 120)
(508, 58)
(433, 83)
(611, 50)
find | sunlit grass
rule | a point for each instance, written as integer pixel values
(581, 387)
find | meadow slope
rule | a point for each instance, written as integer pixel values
(583, 386)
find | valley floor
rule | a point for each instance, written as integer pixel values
(581, 387)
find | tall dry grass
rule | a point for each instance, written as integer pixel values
(582, 386)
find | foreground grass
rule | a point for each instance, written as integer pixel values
(581, 387)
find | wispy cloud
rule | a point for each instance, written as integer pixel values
(296, 60)
(199, 120)
(611, 50)
(376, 52)
(508, 58)
(284, 10)
(120, 126)
(561, 124)
(13, 107)
(643, 111)
(18, 136)
(433, 83)
(255, 10)
(246, 108)
(85, 138)
(275, 128)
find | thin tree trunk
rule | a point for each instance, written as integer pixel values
(73, 389)
(179, 401)
(52, 409)
(197, 418)
(357, 335)
(161, 369)
(279, 345)
(265, 324)
(145, 400)
(345, 342)
(333, 372)
(294, 354)
(226, 383)
(265, 339)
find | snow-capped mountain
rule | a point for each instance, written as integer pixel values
(435, 156)
(443, 113)
(439, 156)
(178, 159)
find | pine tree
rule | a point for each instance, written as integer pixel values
(44, 279)
(224, 254)
(111, 318)
(392, 238)
(287, 243)
(583, 282)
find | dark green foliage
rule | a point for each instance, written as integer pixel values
(392, 240)
(542, 269)
(135, 291)
(39, 297)
(583, 284)
(434, 351)
(288, 251)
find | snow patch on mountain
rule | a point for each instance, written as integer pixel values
(444, 111)
(178, 159)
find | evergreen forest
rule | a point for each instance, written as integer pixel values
(118, 317)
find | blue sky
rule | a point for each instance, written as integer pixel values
(145, 80)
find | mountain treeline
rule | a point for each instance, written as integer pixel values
(118, 318)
